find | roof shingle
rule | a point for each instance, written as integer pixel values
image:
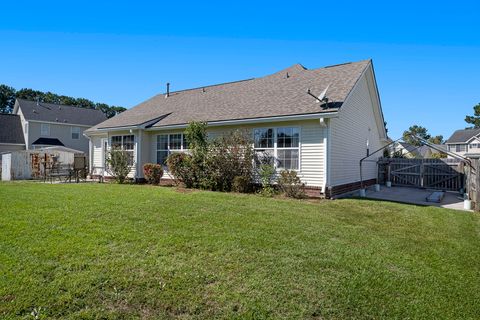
(462, 136)
(11, 129)
(60, 113)
(277, 94)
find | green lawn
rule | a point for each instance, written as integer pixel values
(100, 251)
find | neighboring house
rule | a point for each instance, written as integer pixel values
(11, 135)
(47, 124)
(410, 151)
(465, 142)
(323, 142)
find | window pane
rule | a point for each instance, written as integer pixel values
(128, 142)
(263, 138)
(130, 157)
(162, 142)
(287, 137)
(185, 144)
(116, 142)
(287, 159)
(45, 129)
(264, 156)
(176, 141)
(162, 157)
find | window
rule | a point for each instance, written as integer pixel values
(279, 145)
(125, 143)
(75, 133)
(461, 148)
(45, 129)
(264, 145)
(169, 143)
(475, 145)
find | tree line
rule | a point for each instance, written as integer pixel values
(9, 94)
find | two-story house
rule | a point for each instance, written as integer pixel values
(465, 142)
(47, 124)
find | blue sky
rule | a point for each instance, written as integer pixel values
(426, 55)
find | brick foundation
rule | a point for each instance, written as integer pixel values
(334, 191)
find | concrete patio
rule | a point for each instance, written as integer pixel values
(452, 200)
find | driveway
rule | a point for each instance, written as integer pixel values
(452, 200)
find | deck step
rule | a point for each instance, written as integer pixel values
(436, 196)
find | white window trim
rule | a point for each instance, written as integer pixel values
(44, 133)
(72, 132)
(122, 145)
(169, 150)
(275, 148)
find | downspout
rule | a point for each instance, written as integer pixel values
(326, 162)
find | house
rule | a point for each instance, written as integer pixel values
(410, 151)
(323, 139)
(46, 124)
(11, 135)
(465, 142)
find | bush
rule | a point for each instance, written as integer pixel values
(291, 185)
(242, 184)
(228, 157)
(153, 172)
(266, 173)
(213, 165)
(119, 164)
(180, 166)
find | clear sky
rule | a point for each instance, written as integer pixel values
(426, 54)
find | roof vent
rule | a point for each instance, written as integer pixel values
(38, 100)
(168, 90)
(56, 119)
(34, 111)
(288, 76)
(59, 107)
(203, 89)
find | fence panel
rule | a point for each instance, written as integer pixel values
(442, 174)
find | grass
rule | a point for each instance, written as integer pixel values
(99, 251)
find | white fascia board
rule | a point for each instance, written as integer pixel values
(13, 144)
(62, 123)
(102, 131)
(253, 121)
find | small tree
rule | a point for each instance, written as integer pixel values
(119, 164)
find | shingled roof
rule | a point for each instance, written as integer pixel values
(11, 129)
(60, 113)
(283, 93)
(462, 136)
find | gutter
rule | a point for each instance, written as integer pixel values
(252, 120)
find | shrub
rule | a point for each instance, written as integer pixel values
(266, 172)
(228, 157)
(291, 185)
(242, 184)
(180, 166)
(213, 165)
(153, 172)
(119, 164)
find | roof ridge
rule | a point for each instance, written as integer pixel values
(59, 104)
(210, 85)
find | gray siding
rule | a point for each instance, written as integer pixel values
(61, 132)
